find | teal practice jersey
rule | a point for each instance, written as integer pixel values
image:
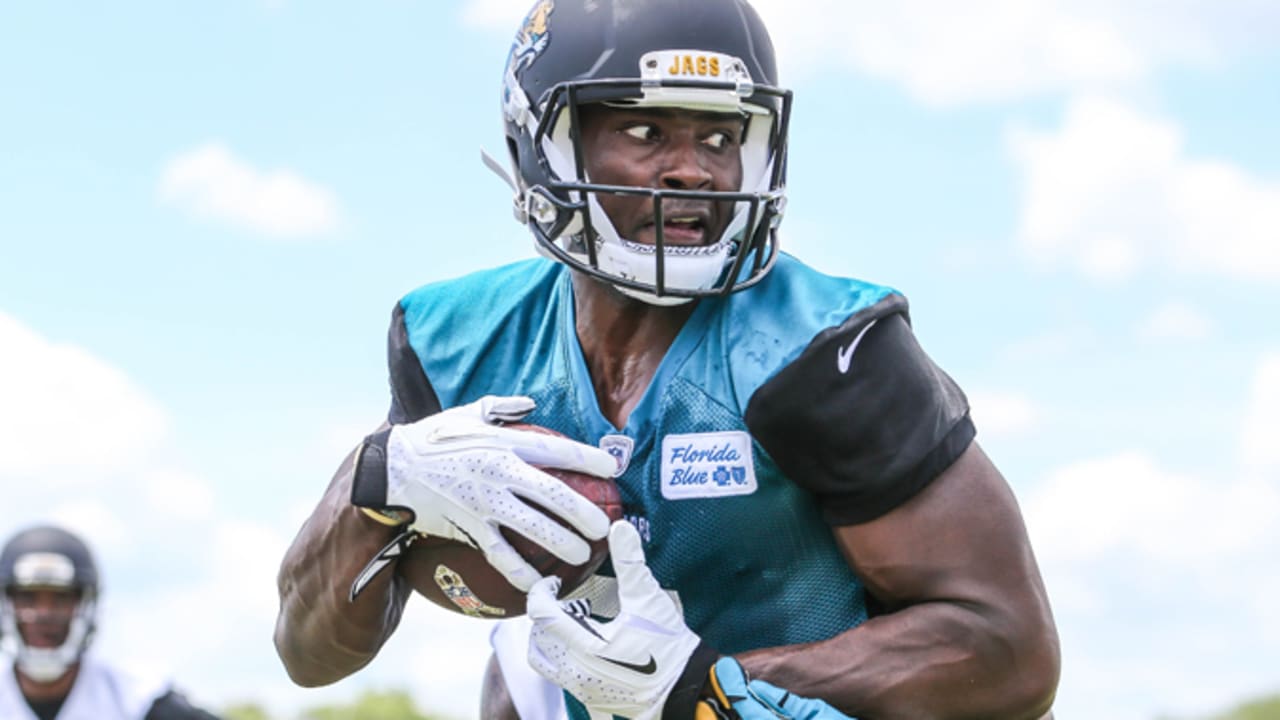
(779, 411)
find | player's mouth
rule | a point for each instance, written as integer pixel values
(690, 228)
(42, 636)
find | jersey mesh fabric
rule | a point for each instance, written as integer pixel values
(750, 571)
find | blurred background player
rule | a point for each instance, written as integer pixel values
(48, 615)
(804, 497)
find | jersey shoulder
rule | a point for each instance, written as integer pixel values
(501, 289)
(474, 335)
(767, 327)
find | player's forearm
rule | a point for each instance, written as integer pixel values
(933, 660)
(321, 635)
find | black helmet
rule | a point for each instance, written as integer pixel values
(47, 557)
(710, 55)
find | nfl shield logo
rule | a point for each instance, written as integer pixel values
(620, 447)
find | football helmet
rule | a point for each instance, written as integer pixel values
(42, 558)
(701, 55)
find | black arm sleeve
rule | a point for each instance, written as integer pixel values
(174, 706)
(863, 418)
(412, 397)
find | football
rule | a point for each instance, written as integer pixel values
(457, 577)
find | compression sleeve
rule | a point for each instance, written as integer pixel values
(862, 418)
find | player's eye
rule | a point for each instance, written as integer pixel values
(642, 131)
(718, 140)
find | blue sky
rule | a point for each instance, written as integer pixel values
(208, 210)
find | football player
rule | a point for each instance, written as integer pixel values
(47, 620)
(812, 530)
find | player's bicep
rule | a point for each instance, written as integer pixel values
(959, 539)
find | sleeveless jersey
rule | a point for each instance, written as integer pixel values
(777, 411)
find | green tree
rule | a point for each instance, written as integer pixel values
(1264, 708)
(245, 711)
(372, 705)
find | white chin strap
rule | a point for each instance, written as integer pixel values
(684, 267)
(45, 665)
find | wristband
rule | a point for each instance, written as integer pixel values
(369, 471)
(682, 701)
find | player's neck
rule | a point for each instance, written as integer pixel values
(623, 341)
(44, 692)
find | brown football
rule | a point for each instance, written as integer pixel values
(457, 577)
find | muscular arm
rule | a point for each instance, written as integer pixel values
(968, 632)
(320, 635)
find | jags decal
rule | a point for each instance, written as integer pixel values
(533, 37)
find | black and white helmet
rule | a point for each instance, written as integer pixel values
(47, 557)
(703, 55)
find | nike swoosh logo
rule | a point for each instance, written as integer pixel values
(844, 355)
(648, 668)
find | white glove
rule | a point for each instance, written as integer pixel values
(463, 477)
(627, 666)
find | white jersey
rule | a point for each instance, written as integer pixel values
(101, 692)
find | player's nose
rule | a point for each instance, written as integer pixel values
(683, 166)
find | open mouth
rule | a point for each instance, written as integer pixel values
(688, 229)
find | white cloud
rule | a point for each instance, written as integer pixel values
(1162, 571)
(1176, 320)
(1127, 502)
(1112, 190)
(1052, 345)
(67, 416)
(209, 624)
(176, 493)
(1260, 439)
(947, 53)
(104, 529)
(497, 15)
(212, 182)
(1160, 578)
(1003, 413)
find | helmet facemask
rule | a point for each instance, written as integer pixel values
(43, 664)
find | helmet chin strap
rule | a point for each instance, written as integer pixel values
(45, 665)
